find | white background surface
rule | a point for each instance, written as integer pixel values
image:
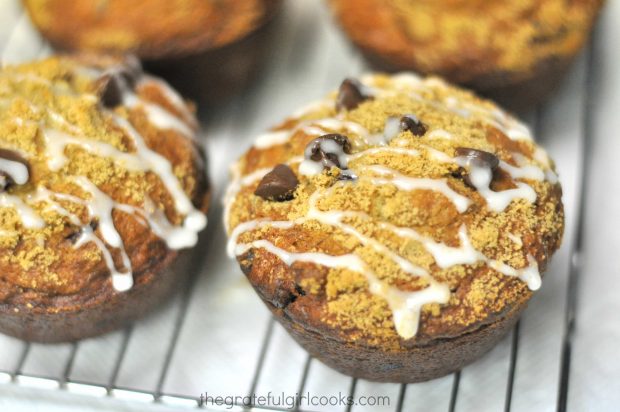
(222, 331)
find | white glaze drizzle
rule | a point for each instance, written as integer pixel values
(447, 256)
(57, 141)
(383, 150)
(100, 206)
(157, 115)
(416, 183)
(29, 218)
(311, 128)
(408, 83)
(515, 239)
(172, 97)
(439, 134)
(18, 172)
(269, 139)
(510, 126)
(311, 167)
(405, 306)
(391, 129)
(481, 177)
(312, 107)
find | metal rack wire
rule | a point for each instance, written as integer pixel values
(159, 391)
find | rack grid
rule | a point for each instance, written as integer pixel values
(190, 345)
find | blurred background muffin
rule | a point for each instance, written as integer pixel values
(208, 49)
(514, 51)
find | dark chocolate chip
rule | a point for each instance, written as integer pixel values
(350, 95)
(278, 185)
(110, 91)
(345, 175)
(246, 262)
(462, 174)
(130, 76)
(316, 152)
(113, 84)
(94, 224)
(6, 180)
(477, 157)
(410, 122)
(74, 236)
(300, 290)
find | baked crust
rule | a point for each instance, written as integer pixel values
(55, 281)
(403, 365)
(290, 250)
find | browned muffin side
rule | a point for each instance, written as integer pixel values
(513, 51)
(115, 187)
(218, 45)
(397, 228)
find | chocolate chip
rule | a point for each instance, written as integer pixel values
(279, 184)
(350, 95)
(112, 85)
(94, 224)
(478, 158)
(109, 90)
(4, 182)
(316, 150)
(410, 122)
(6, 178)
(74, 236)
(464, 176)
(347, 176)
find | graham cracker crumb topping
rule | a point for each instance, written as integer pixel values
(412, 248)
(88, 166)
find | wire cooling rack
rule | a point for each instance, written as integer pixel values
(215, 337)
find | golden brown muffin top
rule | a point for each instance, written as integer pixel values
(153, 29)
(444, 36)
(97, 159)
(399, 196)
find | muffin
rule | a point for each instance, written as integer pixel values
(513, 51)
(208, 49)
(102, 184)
(398, 228)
